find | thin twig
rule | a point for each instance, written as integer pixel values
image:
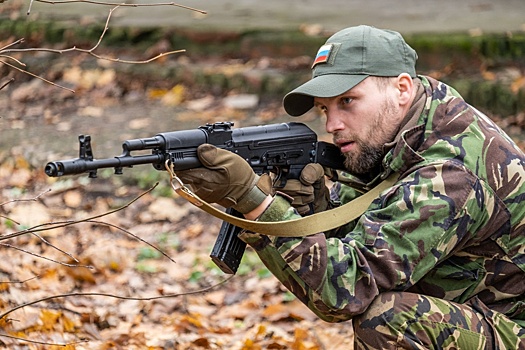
(80, 294)
(34, 199)
(134, 236)
(55, 225)
(36, 76)
(121, 4)
(8, 48)
(43, 343)
(16, 42)
(90, 52)
(23, 281)
(106, 27)
(45, 241)
(8, 218)
(7, 83)
(12, 58)
(43, 257)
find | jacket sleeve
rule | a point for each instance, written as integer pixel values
(402, 236)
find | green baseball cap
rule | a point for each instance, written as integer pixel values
(346, 59)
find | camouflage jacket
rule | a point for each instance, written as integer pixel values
(453, 226)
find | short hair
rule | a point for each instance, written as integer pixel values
(382, 82)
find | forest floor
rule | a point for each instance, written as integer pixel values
(140, 277)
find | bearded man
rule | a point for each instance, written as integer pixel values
(437, 260)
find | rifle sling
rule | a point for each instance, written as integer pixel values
(305, 226)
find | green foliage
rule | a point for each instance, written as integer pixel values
(503, 47)
(288, 296)
(146, 253)
(490, 96)
(195, 276)
(488, 47)
(250, 262)
(10, 224)
(144, 258)
(168, 240)
(141, 177)
(144, 267)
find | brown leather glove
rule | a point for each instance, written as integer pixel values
(310, 194)
(226, 179)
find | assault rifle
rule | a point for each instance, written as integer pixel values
(283, 149)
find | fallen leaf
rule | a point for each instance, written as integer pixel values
(73, 199)
(81, 273)
(165, 209)
(30, 214)
(175, 96)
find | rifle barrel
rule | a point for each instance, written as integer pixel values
(79, 165)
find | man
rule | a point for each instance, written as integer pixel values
(437, 260)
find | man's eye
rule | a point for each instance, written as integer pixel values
(346, 100)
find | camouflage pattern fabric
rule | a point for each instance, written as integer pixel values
(452, 228)
(402, 320)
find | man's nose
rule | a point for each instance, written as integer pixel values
(334, 122)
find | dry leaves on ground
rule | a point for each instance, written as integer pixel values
(105, 285)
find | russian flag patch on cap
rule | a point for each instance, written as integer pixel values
(323, 54)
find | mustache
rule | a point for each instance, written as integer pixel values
(339, 137)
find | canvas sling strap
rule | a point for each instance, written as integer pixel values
(305, 226)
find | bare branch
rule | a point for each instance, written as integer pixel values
(45, 241)
(134, 236)
(68, 254)
(55, 225)
(8, 48)
(43, 257)
(120, 4)
(24, 281)
(118, 60)
(7, 83)
(19, 41)
(36, 76)
(43, 343)
(90, 52)
(8, 218)
(105, 28)
(14, 59)
(34, 199)
(80, 294)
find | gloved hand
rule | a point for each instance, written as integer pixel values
(310, 194)
(226, 179)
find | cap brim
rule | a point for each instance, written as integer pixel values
(301, 99)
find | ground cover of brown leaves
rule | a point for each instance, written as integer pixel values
(141, 277)
(106, 284)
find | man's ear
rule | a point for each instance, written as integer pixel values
(405, 86)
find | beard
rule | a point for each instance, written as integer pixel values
(369, 154)
(366, 161)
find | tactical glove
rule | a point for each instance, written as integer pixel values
(310, 194)
(226, 179)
